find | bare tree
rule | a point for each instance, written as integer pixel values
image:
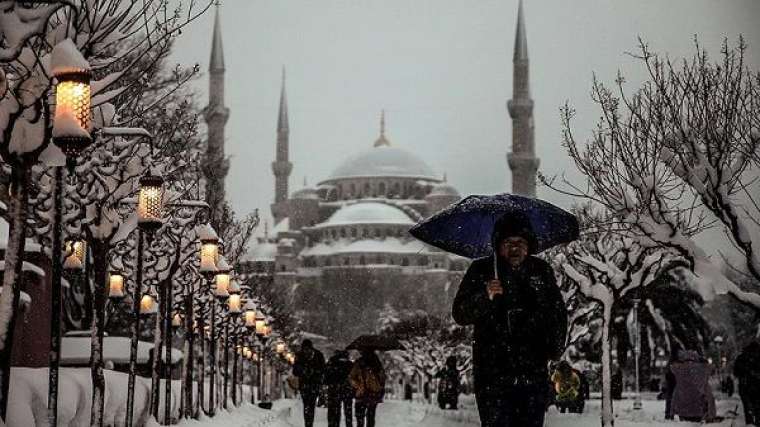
(678, 156)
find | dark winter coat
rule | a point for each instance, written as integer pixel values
(367, 377)
(448, 387)
(309, 370)
(518, 332)
(692, 395)
(337, 371)
(747, 371)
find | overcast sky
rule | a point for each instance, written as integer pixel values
(442, 70)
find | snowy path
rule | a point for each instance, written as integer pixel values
(389, 414)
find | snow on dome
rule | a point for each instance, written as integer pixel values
(367, 213)
(261, 252)
(383, 161)
(444, 189)
(68, 59)
(305, 193)
(391, 245)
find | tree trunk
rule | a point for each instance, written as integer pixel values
(226, 362)
(168, 336)
(234, 370)
(155, 375)
(99, 250)
(212, 358)
(607, 419)
(189, 359)
(55, 301)
(134, 331)
(14, 256)
(202, 363)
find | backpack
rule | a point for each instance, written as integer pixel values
(372, 382)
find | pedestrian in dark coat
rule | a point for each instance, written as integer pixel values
(368, 379)
(692, 396)
(308, 368)
(520, 325)
(747, 371)
(339, 390)
(448, 384)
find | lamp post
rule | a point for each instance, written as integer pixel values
(637, 350)
(208, 268)
(262, 333)
(149, 210)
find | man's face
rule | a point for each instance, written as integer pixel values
(514, 250)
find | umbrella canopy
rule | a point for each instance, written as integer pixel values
(375, 342)
(466, 228)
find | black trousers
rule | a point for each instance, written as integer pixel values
(309, 399)
(365, 411)
(334, 405)
(513, 406)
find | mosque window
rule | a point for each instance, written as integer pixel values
(377, 233)
(405, 261)
(379, 259)
(362, 261)
(282, 268)
(334, 234)
(365, 232)
(381, 189)
(347, 261)
(328, 263)
(367, 189)
(353, 232)
(424, 260)
(353, 188)
(342, 232)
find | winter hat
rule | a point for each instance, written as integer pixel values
(307, 344)
(514, 226)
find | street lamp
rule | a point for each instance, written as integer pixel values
(115, 285)
(233, 303)
(76, 250)
(150, 203)
(222, 278)
(637, 350)
(148, 304)
(72, 125)
(177, 320)
(250, 315)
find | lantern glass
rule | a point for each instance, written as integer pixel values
(261, 326)
(223, 285)
(76, 250)
(233, 303)
(209, 253)
(115, 285)
(177, 320)
(148, 304)
(72, 122)
(250, 318)
(150, 202)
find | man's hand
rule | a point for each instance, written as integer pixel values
(494, 288)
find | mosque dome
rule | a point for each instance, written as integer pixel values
(368, 213)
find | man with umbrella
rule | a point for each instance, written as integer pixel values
(308, 367)
(509, 295)
(520, 324)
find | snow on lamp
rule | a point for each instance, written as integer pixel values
(115, 285)
(234, 287)
(150, 202)
(76, 250)
(72, 121)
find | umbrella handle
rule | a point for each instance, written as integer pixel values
(495, 270)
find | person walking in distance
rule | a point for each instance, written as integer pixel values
(520, 324)
(368, 379)
(308, 368)
(340, 394)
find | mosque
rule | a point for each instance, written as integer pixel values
(340, 250)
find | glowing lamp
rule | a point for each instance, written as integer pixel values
(77, 250)
(280, 347)
(233, 303)
(72, 122)
(150, 202)
(222, 285)
(148, 304)
(261, 325)
(249, 314)
(115, 285)
(209, 250)
(177, 320)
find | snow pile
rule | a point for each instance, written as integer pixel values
(66, 58)
(28, 401)
(247, 415)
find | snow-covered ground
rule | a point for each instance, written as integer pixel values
(405, 414)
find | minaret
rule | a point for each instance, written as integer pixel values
(281, 167)
(522, 160)
(382, 140)
(216, 115)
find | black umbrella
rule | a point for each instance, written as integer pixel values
(375, 342)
